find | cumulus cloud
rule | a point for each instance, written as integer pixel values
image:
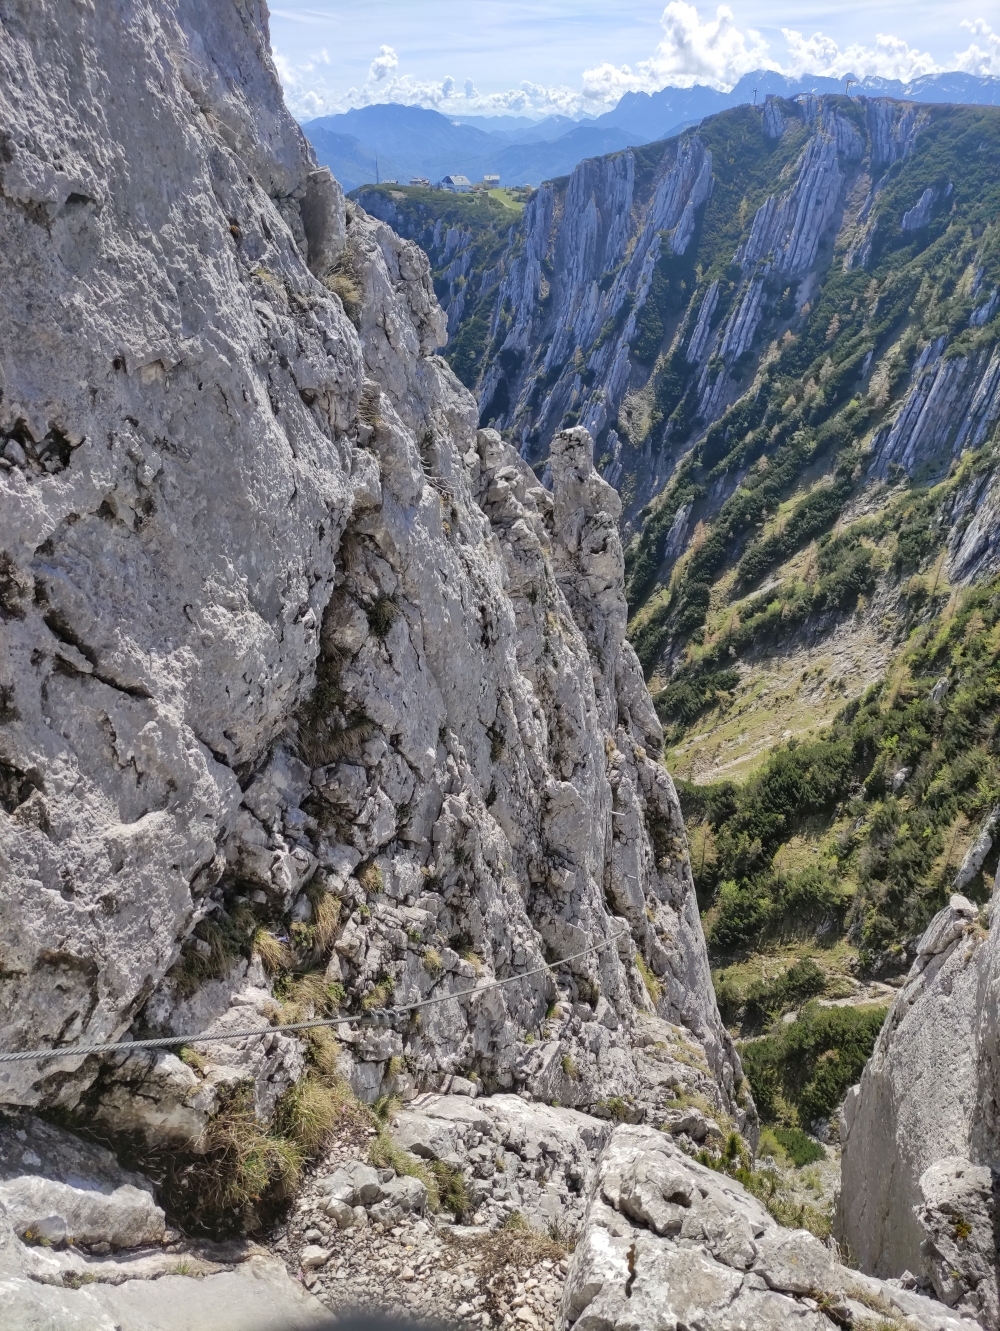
(691, 51)
(307, 97)
(696, 47)
(976, 59)
(890, 57)
(385, 64)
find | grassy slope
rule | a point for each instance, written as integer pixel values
(812, 406)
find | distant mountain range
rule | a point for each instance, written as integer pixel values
(410, 141)
(391, 141)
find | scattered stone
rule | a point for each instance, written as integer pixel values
(312, 1257)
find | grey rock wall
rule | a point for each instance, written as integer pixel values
(919, 1133)
(276, 617)
(580, 270)
(669, 1243)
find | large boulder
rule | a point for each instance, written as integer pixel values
(56, 1188)
(670, 1243)
(919, 1133)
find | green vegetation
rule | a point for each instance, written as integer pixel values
(827, 376)
(801, 1150)
(654, 987)
(343, 282)
(766, 1185)
(452, 1192)
(757, 1005)
(804, 1068)
(900, 781)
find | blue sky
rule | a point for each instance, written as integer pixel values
(483, 56)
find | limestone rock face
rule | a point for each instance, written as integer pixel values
(669, 1243)
(919, 1133)
(56, 1188)
(283, 631)
(251, 1291)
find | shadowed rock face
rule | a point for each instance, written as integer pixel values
(216, 488)
(920, 1155)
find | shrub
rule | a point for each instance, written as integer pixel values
(811, 1062)
(802, 1149)
(763, 906)
(214, 946)
(763, 1000)
(381, 616)
(452, 1192)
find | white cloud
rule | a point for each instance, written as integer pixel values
(711, 50)
(890, 57)
(386, 63)
(978, 59)
(715, 52)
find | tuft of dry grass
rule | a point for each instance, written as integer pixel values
(274, 955)
(324, 1051)
(384, 1153)
(370, 878)
(379, 996)
(310, 1112)
(653, 986)
(240, 1162)
(452, 1193)
(326, 915)
(193, 1059)
(343, 283)
(474, 960)
(433, 964)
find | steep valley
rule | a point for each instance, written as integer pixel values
(781, 328)
(392, 743)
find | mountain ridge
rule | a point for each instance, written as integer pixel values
(416, 141)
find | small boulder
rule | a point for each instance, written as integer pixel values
(385, 1213)
(408, 1193)
(355, 1183)
(341, 1213)
(430, 1138)
(313, 1257)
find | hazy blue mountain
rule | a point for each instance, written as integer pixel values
(542, 131)
(531, 163)
(412, 141)
(351, 161)
(493, 124)
(409, 135)
(655, 115)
